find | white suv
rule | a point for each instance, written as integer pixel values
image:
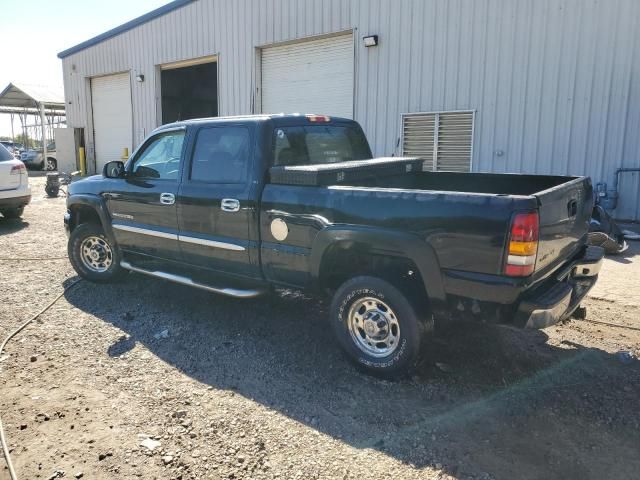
(15, 193)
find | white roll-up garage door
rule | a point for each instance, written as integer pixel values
(112, 122)
(314, 76)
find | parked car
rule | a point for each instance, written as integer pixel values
(14, 147)
(34, 158)
(15, 193)
(237, 205)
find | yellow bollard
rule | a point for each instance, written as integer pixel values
(83, 161)
(125, 154)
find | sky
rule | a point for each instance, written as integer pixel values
(33, 32)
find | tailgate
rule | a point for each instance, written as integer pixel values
(565, 211)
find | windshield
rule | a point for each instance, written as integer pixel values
(5, 154)
(319, 144)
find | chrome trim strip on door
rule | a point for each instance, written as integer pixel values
(145, 231)
(211, 243)
(122, 215)
(230, 292)
(182, 238)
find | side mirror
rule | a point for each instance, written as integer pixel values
(113, 169)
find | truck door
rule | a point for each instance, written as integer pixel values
(143, 205)
(216, 204)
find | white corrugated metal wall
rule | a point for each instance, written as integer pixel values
(555, 83)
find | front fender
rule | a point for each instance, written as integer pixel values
(96, 203)
(385, 242)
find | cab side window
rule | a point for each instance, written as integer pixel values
(160, 158)
(221, 155)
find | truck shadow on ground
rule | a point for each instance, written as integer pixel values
(484, 399)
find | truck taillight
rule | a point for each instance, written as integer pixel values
(522, 249)
(318, 118)
(18, 169)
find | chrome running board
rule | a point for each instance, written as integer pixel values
(229, 292)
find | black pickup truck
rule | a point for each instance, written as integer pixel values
(241, 204)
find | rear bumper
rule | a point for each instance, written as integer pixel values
(539, 303)
(557, 298)
(15, 202)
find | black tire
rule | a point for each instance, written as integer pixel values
(76, 239)
(50, 165)
(52, 192)
(399, 362)
(13, 213)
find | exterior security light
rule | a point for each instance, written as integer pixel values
(370, 41)
(140, 78)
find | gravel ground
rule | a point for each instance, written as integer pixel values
(222, 388)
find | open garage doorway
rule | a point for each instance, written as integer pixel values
(189, 89)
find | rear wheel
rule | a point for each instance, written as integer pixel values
(13, 213)
(51, 164)
(92, 255)
(377, 326)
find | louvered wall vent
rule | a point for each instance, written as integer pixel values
(443, 139)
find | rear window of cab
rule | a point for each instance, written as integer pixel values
(319, 144)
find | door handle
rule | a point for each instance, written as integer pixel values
(230, 205)
(167, 198)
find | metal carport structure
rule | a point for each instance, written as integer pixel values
(37, 100)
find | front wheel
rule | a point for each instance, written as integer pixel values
(92, 255)
(51, 164)
(377, 326)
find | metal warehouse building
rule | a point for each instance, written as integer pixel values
(535, 86)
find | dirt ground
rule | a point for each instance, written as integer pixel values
(258, 389)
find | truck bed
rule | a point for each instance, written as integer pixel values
(564, 203)
(487, 183)
(464, 217)
(406, 173)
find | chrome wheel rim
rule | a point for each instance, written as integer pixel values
(96, 254)
(374, 327)
(51, 165)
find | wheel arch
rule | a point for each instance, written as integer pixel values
(89, 209)
(340, 250)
